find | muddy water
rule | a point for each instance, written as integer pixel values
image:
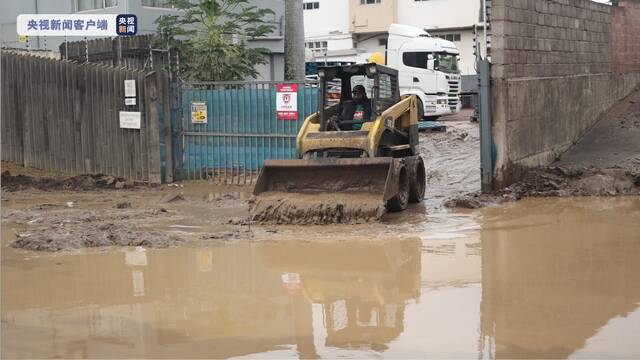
(542, 278)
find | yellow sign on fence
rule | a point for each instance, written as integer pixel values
(199, 112)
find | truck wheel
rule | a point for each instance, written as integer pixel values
(417, 179)
(420, 107)
(400, 201)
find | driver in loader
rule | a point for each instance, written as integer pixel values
(352, 113)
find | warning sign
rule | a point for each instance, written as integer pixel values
(287, 102)
(199, 112)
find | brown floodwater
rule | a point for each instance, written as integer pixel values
(540, 278)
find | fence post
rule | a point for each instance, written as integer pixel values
(166, 117)
(153, 120)
(486, 159)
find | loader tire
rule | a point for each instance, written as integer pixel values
(420, 107)
(417, 179)
(400, 201)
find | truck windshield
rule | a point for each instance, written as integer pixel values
(447, 62)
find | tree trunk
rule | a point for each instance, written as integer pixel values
(293, 40)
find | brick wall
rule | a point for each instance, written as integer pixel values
(536, 38)
(625, 39)
(557, 65)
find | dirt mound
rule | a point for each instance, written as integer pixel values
(54, 229)
(64, 238)
(613, 142)
(300, 209)
(76, 183)
(555, 181)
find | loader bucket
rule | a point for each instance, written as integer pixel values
(375, 176)
(324, 191)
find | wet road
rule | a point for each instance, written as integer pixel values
(540, 278)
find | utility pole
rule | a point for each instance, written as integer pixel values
(293, 40)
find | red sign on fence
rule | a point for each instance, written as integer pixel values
(287, 102)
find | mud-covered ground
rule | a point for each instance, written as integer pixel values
(452, 159)
(53, 212)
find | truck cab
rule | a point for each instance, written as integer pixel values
(427, 67)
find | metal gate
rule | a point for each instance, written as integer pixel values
(241, 129)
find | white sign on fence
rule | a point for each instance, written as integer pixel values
(199, 112)
(130, 101)
(130, 88)
(287, 101)
(129, 119)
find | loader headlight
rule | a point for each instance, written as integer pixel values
(372, 70)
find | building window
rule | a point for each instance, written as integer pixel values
(382, 42)
(311, 5)
(367, 2)
(157, 4)
(450, 37)
(316, 45)
(83, 5)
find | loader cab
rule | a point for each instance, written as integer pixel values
(380, 83)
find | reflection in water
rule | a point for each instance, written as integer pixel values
(549, 288)
(542, 279)
(362, 286)
(209, 302)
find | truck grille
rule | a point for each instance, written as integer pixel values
(452, 96)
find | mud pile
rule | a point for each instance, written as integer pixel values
(43, 239)
(557, 181)
(76, 183)
(69, 229)
(306, 209)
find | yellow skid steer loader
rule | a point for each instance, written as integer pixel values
(359, 145)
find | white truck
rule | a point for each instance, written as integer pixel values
(427, 67)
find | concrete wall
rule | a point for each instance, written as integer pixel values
(372, 18)
(553, 76)
(331, 18)
(443, 14)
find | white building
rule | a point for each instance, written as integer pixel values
(350, 30)
(327, 31)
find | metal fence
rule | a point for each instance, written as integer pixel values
(62, 116)
(143, 52)
(241, 132)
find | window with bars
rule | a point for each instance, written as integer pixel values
(311, 5)
(316, 45)
(157, 4)
(450, 37)
(83, 5)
